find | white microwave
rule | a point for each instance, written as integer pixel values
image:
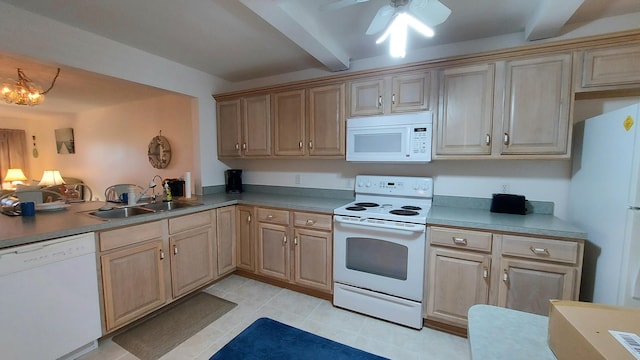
(404, 138)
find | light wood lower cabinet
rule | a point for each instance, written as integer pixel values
(147, 266)
(245, 238)
(133, 276)
(459, 280)
(226, 239)
(300, 254)
(192, 251)
(468, 267)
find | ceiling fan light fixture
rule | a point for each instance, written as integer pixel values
(24, 91)
(397, 33)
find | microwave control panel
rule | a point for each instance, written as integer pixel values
(420, 140)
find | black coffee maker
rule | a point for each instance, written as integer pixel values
(233, 181)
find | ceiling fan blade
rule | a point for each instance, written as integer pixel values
(430, 12)
(380, 21)
(339, 4)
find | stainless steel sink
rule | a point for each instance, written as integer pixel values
(121, 213)
(169, 205)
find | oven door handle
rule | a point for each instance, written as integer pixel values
(415, 228)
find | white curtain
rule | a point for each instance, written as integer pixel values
(13, 151)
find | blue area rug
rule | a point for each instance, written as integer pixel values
(270, 339)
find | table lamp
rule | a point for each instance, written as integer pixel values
(51, 177)
(15, 176)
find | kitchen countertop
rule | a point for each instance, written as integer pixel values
(532, 224)
(17, 230)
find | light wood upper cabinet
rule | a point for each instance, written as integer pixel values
(537, 106)
(465, 113)
(513, 109)
(229, 126)
(609, 68)
(244, 126)
(289, 123)
(326, 120)
(390, 94)
(310, 122)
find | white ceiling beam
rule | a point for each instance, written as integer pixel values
(549, 18)
(299, 26)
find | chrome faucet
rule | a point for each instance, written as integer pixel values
(151, 185)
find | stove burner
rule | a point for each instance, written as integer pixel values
(403, 212)
(366, 204)
(356, 208)
(409, 207)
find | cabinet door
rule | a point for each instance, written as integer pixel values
(273, 251)
(366, 97)
(289, 123)
(529, 285)
(229, 128)
(456, 281)
(225, 239)
(133, 282)
(537, 105)
(256, 125)
(246, 250)
(312, 262)
(411, 92)
(465, 115)
(326, 121)
(192, 259)
(612, 66)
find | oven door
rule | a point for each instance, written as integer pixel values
(383, 256)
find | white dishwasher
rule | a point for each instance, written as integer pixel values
(49, 305)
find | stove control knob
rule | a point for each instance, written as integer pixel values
(360, 183)
(368, 184)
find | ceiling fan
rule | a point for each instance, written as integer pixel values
(429, 12)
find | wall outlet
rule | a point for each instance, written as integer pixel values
(297, 179)
(505, 188)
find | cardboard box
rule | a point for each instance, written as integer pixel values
(580, 330)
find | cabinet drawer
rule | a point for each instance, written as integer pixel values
(541, 249)
(130, 235)
(467, 239)
(273, 216)
(310, 220)
(189, 222)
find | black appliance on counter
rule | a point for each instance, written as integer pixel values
(176, 186)
(233, 181)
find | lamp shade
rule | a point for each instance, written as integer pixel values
(51, 177)
(15, 175)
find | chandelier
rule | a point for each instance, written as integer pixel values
(24, 91)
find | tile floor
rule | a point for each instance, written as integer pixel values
(256, 299)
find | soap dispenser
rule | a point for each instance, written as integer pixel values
(167, 191)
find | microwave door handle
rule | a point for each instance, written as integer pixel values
(407, 153)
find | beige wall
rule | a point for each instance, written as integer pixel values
(111, 143)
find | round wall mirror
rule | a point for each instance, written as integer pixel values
(159, 152)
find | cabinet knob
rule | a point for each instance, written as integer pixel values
(244, 146)
(284, 240)
(295, 240)
(310, 222)
(487, 140)
(269, 216)
(310, 144)
(237, 146)
(485, 272)
(380, 101)
(505, 139)
(248, 218)
(505, 275)
(540, 251)
(459, 241)
(161, 255)
(175, 250)
(300, 145)
(393, 99)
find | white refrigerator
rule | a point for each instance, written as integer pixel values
(604, 200)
